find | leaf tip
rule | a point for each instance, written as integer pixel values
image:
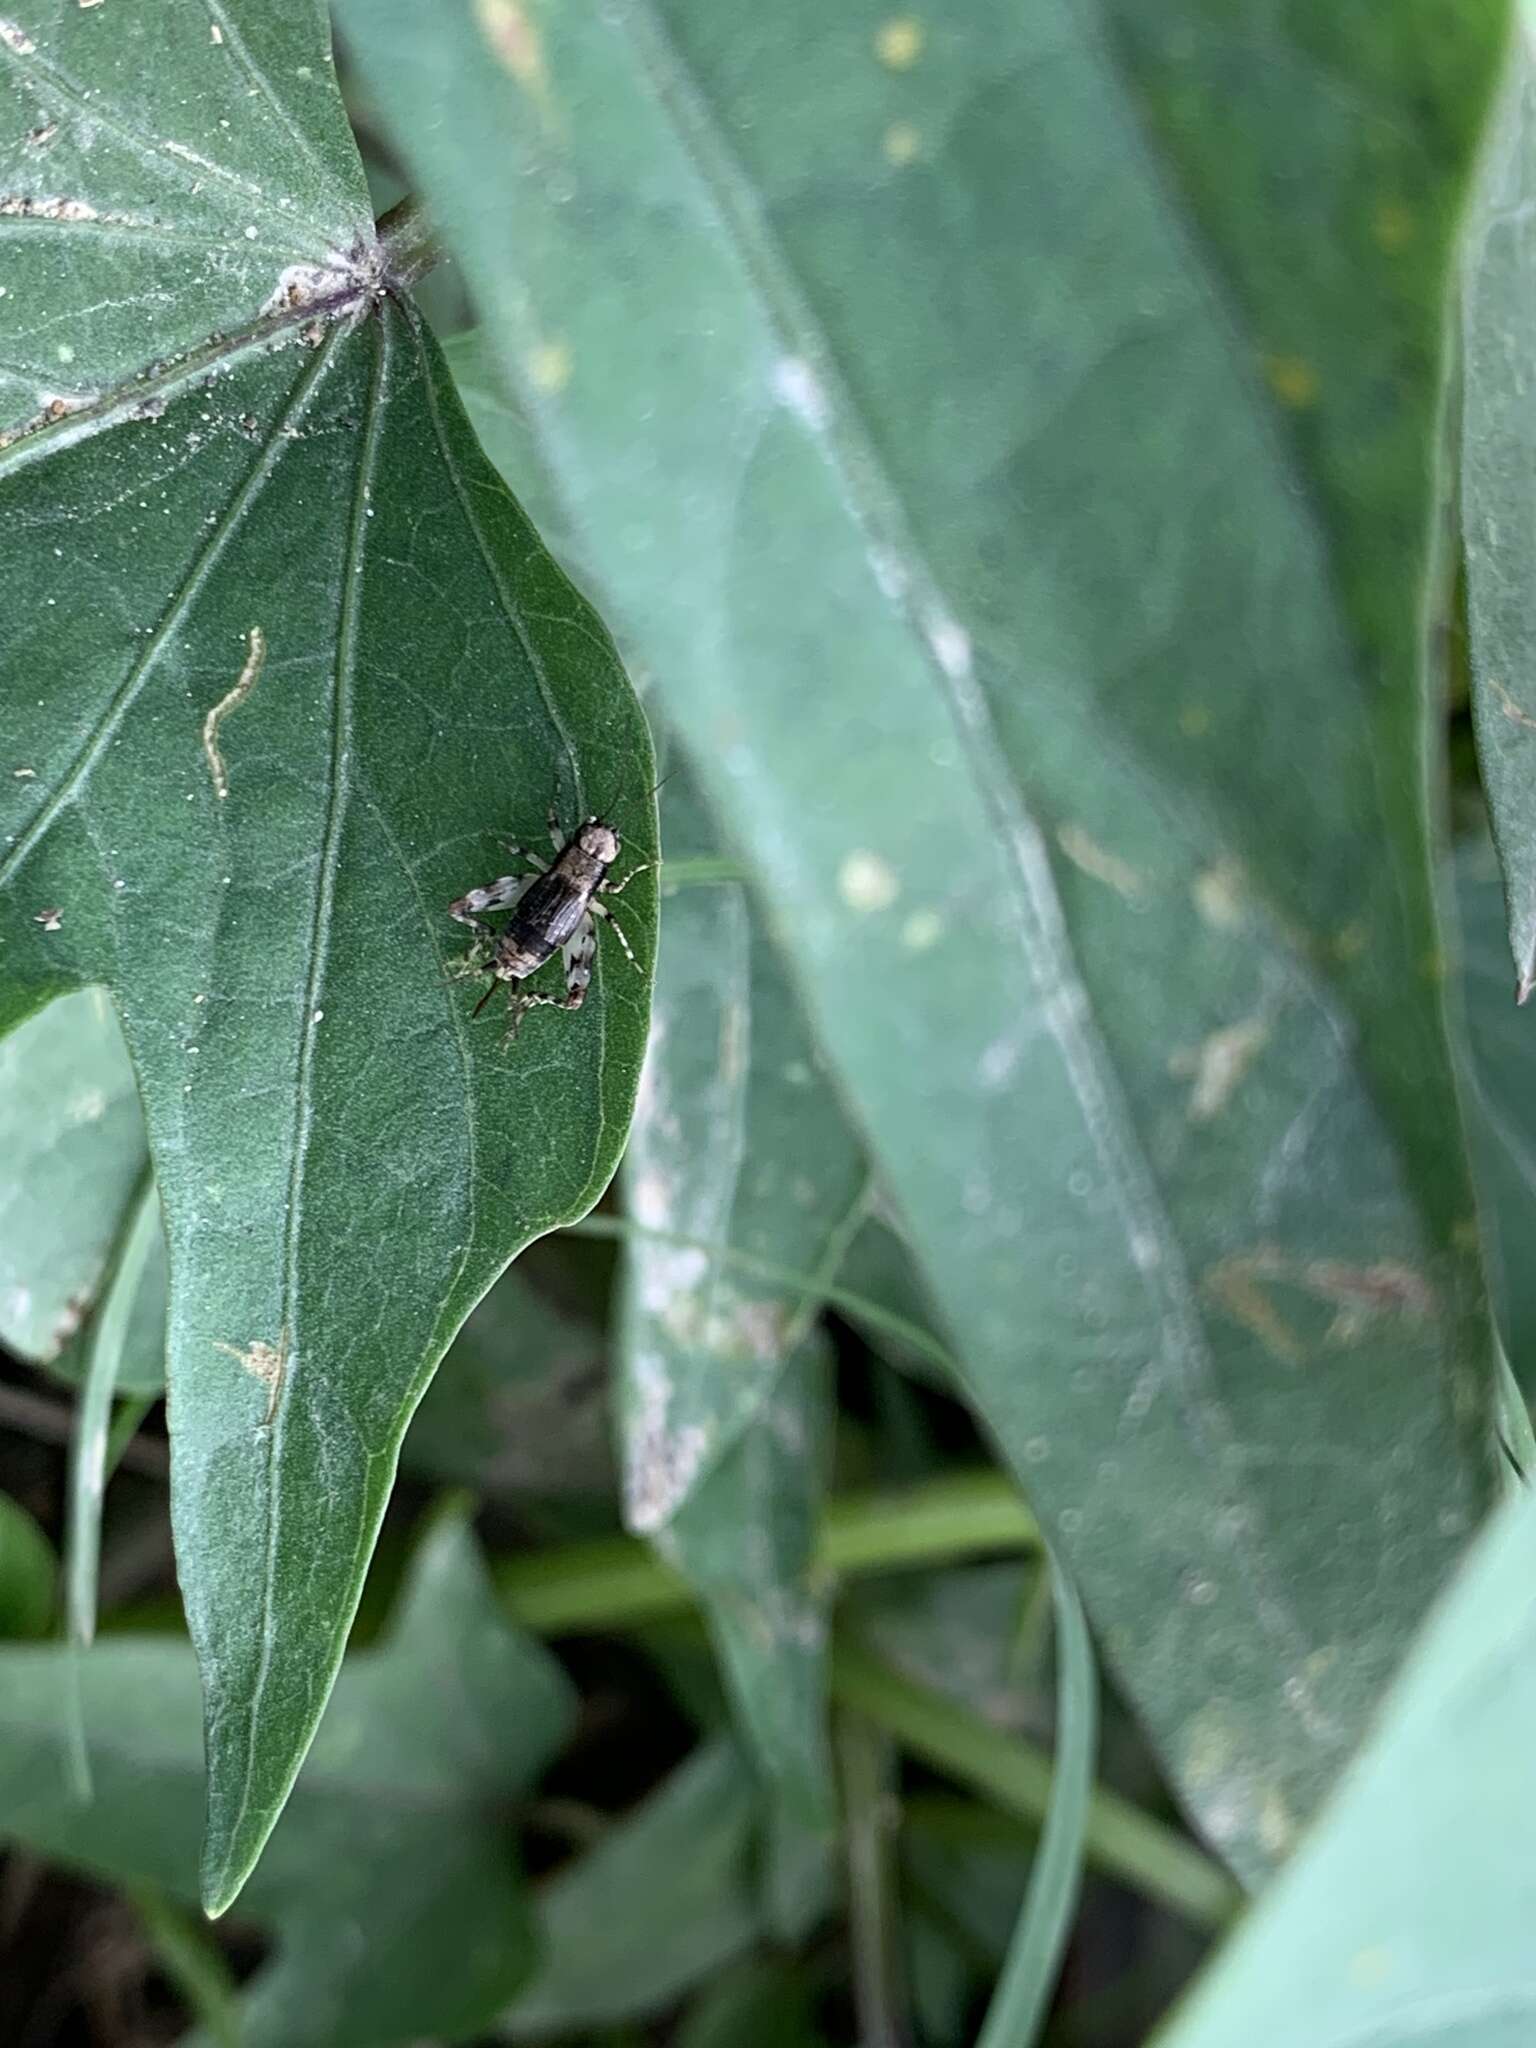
(1524, 985)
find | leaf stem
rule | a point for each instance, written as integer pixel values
(867, 1775)
(410, 247)
(1022, 1996)
(1119, 1840)
(615, 1582)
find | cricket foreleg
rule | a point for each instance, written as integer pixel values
(618, 888)
(601, 910)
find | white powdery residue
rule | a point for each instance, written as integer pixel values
(998, 1062)
(749, 1329)
(950, 643)
(18, 1303)
(309, 284)
(797, 387)
(1146, 1252)
(61, 209)
(650, 1200)
(662, 1463)
(670, 1272)
(15, 39)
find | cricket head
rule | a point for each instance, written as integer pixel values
(599, 840)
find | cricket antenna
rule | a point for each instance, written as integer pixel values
(484, 999)
(623, 797)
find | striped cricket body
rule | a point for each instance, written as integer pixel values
(554, 910)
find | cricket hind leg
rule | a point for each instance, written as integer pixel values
(520, 1001)
(498, 895)
(577, 954)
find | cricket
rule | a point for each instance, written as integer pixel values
(555, 909)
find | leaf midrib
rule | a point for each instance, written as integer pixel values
(338, 792)
(875, 505)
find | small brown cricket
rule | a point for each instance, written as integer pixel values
(553, 910)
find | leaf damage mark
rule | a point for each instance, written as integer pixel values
(1219, 892)
(231, 701)
(23, 206)
(1218, 1065)
(1361, 1297)
(17, 39)
(1509, 707)
(267, 1364)
(1100, 864)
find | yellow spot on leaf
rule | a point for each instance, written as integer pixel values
(1218, 894)
(902, 144)
(1393, 226)
(1369, 1967)
(1100, 863)
(1234, 1283)
(1218, 1064)
(899, 42)
(1194, 721)
(549, 367)
(1350, 941)
(866, 882)
(922, 930)
(515, 43)
(1293, 381)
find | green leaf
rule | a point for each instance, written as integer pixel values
(738, 1143)
(1501, 1108)
(258, 445)
(662, 1902)
(758, 2005)
(28, 1573)
(395, 1827)
(1498, 444)
(1406, 1917)
(520, 1405)
(72, 1139)
(1005, 507)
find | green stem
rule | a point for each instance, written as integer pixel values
(586, 1588)
(409, 245)
(699, 869)
(1022, 1996)
(807, 1285)
(1120, 1840)
(867, 1776)
(93, 1415)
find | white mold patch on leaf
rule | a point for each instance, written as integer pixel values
(661, 1463)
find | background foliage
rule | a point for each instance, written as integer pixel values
(1010, 449)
